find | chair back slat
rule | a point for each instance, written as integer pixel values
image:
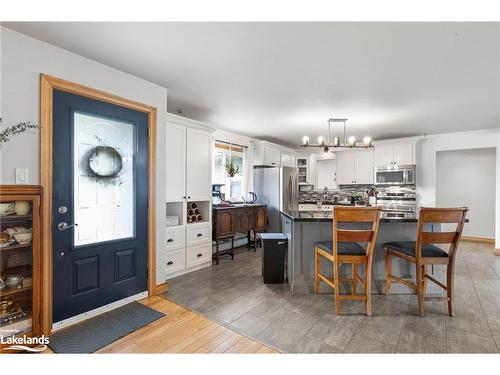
(354, 235)
(368, 215)
(356, 214)
(438, 237)
(440, 216)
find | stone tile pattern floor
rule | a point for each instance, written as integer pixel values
(234, 295)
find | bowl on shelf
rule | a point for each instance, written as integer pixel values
(23, 237)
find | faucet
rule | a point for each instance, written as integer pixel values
(325, 193)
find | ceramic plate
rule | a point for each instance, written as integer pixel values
(6, 244)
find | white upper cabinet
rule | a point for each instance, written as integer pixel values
(198, 164)
(272, 156)
(394, 154)
(345, 168)
(354, 167)
(287, 160)
(188, 161)
(175, 162)
(403, 153)
(363, 167)
(383, 155)
(266, 154)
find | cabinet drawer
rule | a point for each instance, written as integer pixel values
(199, 254)
(198, 233)
(174, 237)
(175, 261)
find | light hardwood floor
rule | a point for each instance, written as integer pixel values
(183, 331)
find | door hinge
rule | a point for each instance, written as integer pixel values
(149, 133)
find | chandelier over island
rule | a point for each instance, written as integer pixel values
(334, 141)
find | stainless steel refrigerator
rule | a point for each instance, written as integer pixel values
(278, 188)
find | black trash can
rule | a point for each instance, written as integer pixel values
(274, 246)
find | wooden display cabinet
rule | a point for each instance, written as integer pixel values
(20, 266)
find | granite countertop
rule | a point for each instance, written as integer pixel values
(237, 205)
(316, 216)
(328, 203)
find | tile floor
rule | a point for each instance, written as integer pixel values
(234, 295)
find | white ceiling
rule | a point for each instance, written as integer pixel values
(279, 81)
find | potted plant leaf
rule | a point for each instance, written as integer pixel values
(10, 131)
(232, 170)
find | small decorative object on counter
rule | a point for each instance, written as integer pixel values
(372, 196)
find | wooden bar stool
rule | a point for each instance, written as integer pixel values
(346, 248)
(422, 253)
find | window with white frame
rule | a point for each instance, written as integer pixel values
(228, 170)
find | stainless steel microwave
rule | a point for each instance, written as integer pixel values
(395, 175)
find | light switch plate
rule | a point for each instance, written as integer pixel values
(22, 175)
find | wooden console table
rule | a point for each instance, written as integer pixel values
(229, 220)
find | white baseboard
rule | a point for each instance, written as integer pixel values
(90, 314)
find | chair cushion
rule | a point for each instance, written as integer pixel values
(408, 248)
(343, 248)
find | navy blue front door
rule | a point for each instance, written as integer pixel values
(99, 204)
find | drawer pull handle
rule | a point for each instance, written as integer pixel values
(170, 240)
(169, 263)
(199, 235)
(199, 255)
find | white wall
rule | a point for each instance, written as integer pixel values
(22, 60)
(426, 163)
(467, 178)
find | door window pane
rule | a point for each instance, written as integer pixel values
(103, 179)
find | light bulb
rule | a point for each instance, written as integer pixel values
(336, 141)
(305, 140)
(351, 141)
(367, 141)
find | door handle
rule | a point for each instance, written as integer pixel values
(63, 225)
(170, 240)
(169, 263)
(199, 235)
(199, 255)
(281, 242)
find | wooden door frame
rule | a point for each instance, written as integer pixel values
(47, 86)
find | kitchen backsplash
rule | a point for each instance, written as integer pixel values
(341, 194)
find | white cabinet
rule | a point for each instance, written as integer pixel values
(187, 247)
(363, 167)
(394, 154)
(266, 154)
(272, 156)
(354, 167)
(345, 167)
(403, 153)
(175, 162)
(287, 160)
(188, 164)
(383, 155)
(198, 165)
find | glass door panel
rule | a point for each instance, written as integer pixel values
(104, 179)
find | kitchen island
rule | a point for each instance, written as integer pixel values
(304, 228)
